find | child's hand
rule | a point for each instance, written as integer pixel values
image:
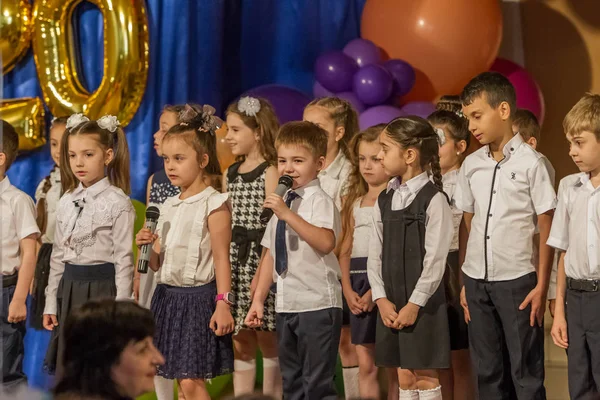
(144, 236)
(367, 301)
(276, 203)
(221, 322)
(552, 306)
(537, 299)
(559, 331)
(465, 306)
(17, 312)
(407, 316)
(387, 309)
(254, 319)
(49, 321)
(353, 300)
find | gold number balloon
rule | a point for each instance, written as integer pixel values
(126, 47)
(27, 116)
(15, 31)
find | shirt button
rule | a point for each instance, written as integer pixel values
(512, 149)
(489, 215)
(487, 237)
(498, 167)
(494, 192)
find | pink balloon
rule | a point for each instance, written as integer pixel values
(529, 95)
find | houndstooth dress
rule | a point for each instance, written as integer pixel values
(247, 195)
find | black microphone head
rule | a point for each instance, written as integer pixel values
(152, 212)
(286, 180)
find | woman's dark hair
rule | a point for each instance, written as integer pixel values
(95, 336)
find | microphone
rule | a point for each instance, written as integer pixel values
(152, 214)
(284, 184)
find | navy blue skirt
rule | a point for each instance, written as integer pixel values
(362, 326)
(78, 285)
(190, 348)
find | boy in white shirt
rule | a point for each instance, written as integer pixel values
(503, 189)
(300, 239)
(576, 234)
(19, 232)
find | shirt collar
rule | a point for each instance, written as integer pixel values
(450, 177)
(195, 198)
(584, 180)
(509, 148)
(4, 184)
(413, 185)
(309, 189)
(92, 191)
(335, 168)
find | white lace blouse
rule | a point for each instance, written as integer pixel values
(94, 225)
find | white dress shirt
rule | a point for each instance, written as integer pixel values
(449, 181)
(99, 231)
(334, 178)
(312, 280)
(576, 226)
(185, 246)
(17, 215)
(505, 198)
(438, 236)
(52, 197)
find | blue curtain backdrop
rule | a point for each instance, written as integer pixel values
(203, 51)
(206, 51)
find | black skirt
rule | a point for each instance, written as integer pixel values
(190, 348)
(459, 336)
(79, 284)
(362, 326)
(40, 281)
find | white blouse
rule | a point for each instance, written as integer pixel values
(363, 218)
(334, 178)
(52, 197)
(449, 181)
(94, 225)
(185, 245)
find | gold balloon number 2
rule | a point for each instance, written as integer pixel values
(49, 27)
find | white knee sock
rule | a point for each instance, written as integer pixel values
(431, 394)
(244, 376)
(409, 394)
(350, 375)
(164, 388)
(272, 378)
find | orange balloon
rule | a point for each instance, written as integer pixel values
(224, 154)
(448, 42)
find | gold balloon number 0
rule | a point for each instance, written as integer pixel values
(49, 27)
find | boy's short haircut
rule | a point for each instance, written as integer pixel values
(584, 116)
(527, 124)
(494, 86)
(10, 143)
(303, 133)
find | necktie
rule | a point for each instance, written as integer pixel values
(281, 259)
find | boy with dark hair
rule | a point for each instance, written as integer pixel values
(502, 188)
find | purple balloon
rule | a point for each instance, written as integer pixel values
(378, 115)
(373, 84)
(353, 100)
(403, 74)
(419, 108)
(334, 70)
(288, 102)
(364, 52)
(320, 91)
